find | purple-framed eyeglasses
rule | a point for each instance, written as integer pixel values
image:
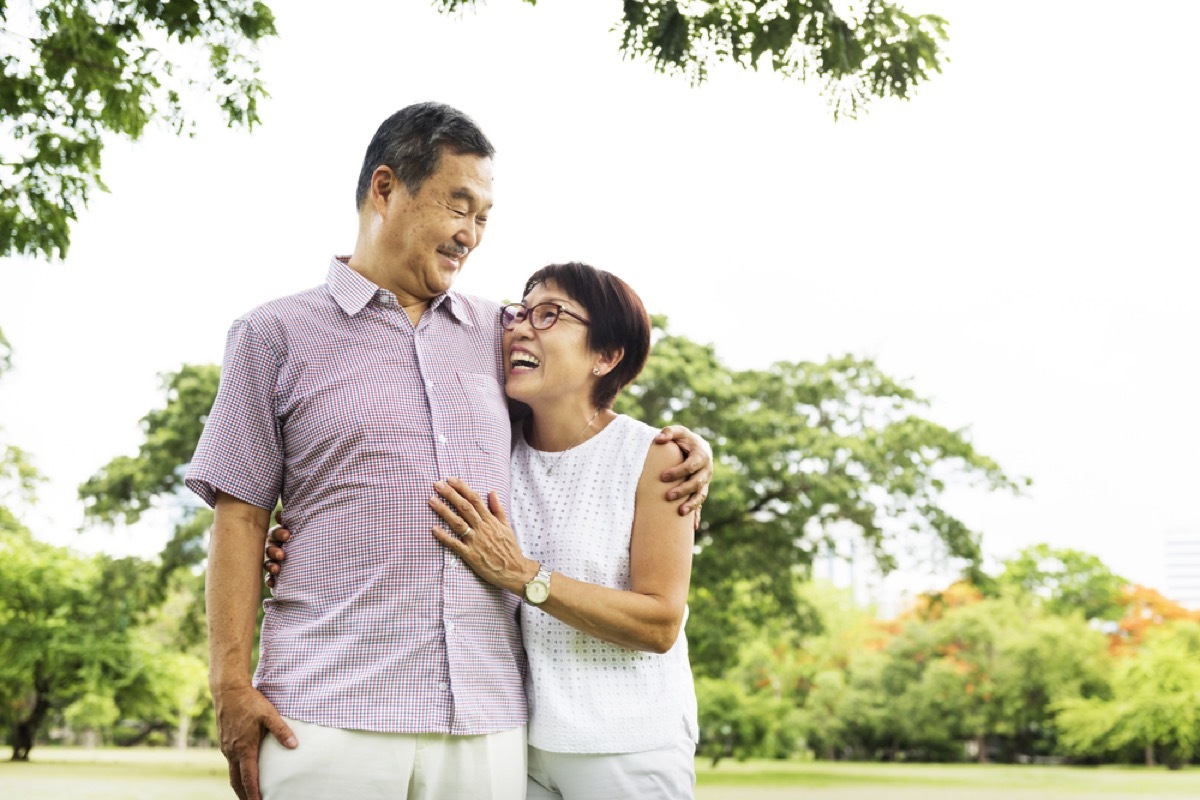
(541, 317)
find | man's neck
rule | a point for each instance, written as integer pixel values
(412, 306)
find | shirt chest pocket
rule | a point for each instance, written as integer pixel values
(483, 420)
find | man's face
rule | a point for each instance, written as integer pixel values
(427, 237)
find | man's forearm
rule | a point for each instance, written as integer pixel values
(232, 590)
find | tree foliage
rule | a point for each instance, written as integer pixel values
(128, 486)
(1154, 705)
(804, 451)
(5, 354)
(76, 70)
(77, 643)
(1145, 610)
(69, 625)
(857, 50)
(977, 678)
(1065, 581)
(987, 673)
(1015, 673)
(18, 476)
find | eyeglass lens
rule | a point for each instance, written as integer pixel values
(541, 316)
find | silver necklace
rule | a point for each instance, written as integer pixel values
(542, 456)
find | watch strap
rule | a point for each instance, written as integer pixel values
(538, 589)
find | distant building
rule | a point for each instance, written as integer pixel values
(1182, 553)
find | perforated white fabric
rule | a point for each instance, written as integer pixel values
(586, 695)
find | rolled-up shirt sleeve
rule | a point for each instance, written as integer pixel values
(240, 452)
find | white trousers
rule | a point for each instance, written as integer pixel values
(335, 764)
(668, 773)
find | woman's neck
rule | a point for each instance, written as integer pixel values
(555, 430)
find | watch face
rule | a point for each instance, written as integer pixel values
(537, 591)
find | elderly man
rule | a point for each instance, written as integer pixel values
(398, 669)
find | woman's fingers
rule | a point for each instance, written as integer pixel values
(458, 526)
(463, 499)
(496, 508)
(450, 540)
(468, 494)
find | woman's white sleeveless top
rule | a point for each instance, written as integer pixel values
(586, 695)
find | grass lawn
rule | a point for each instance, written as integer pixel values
(776, 780)
(138, 774)
(116, 774)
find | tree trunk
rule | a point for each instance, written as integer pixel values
(1149, 754)
(25, 731)
(182, 730)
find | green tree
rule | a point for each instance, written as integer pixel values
(18, 476)
(937, 679)
(67, 623)
(751, 710)
(960, 674)
(1065, 582)
(1154, 705)
(1045, 661)
(166, 688)
(50, 656)
(76, 70)
(986, 675)
(75, 641)
(857, 51)
(844, 709)
(128, 486)
(803, 450)
(740, 724)
(961, 677)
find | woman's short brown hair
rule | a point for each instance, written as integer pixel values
(618, 320)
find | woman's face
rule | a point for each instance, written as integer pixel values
(552, 365)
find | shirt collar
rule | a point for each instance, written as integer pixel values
(353, 292)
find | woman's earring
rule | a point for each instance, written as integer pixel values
(595, 370)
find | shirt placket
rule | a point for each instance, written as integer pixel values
(435, 374)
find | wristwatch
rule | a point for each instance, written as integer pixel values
(538, 589)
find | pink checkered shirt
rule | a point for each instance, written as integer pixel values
(330, 399)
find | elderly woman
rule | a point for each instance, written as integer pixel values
(601, 558)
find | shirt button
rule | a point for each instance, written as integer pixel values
(443, 685)
(450, 628)
(442, 439)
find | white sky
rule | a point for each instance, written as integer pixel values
(1019, 241)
